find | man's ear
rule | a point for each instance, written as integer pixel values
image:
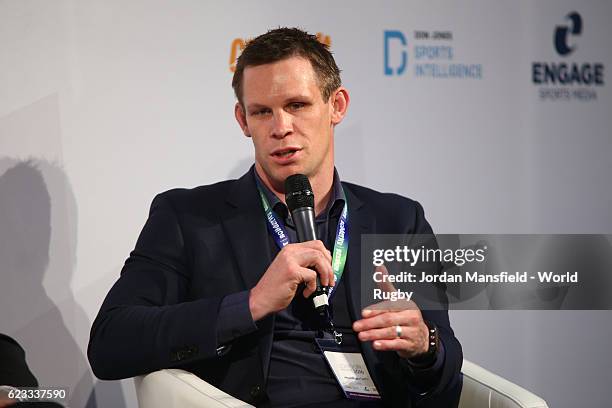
(241, 119)
(340, 101)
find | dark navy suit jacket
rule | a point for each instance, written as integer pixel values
(200, 245)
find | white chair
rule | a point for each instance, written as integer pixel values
(482, 388)
(173, 388)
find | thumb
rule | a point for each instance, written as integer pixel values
(385, 285)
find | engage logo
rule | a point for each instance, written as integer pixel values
(238, 45)
(432, 52)
(562, 34)
(568, 80)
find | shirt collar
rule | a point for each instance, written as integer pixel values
(335, 204)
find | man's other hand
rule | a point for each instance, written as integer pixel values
(5, 401)
(393, 325)
(380, 327)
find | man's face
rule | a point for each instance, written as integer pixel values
(290, 124)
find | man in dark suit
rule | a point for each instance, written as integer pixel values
(208, 289)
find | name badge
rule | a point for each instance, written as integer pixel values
(349, 368)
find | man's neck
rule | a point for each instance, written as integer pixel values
(321, 184)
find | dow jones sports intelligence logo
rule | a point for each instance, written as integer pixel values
(430, 54)
(568, 78)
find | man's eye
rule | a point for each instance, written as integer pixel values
(260, 112)
(296, 105)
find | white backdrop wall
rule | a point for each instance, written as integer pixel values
(103, 104)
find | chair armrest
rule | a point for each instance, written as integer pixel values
(174, 388)
(482, 388)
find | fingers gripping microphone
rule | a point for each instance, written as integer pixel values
(300, 201)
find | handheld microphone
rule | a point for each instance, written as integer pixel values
(300, 201)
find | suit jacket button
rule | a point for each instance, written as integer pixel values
(255, 391)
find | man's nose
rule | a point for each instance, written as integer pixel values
(281, 124)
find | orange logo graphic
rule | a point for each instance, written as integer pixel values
(239, 43)
(324, 39)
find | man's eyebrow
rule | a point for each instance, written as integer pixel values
(298, 98)
(255, 106)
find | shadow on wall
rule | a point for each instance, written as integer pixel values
(37, 307)
(351, 160)
(241, 167)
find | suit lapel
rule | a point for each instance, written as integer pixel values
(246, 229)
(361, 221)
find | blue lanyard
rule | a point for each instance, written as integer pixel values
(279, 233)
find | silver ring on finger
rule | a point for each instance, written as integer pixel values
(398, 331)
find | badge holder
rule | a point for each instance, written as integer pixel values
(348, 366)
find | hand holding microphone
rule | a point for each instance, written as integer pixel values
(300, 201)
(307, 262)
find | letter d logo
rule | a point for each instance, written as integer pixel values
(397, 35)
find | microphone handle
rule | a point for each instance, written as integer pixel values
(303, 218)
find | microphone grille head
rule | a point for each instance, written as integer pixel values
(298, 192)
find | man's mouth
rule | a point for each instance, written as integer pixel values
(285, 153)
